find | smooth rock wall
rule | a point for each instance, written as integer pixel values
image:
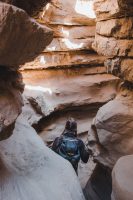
(31, 171)
(122, 179)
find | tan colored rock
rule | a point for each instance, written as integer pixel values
(11, 101)
(75, 32)
(113, 47)
(69, 13)
(65, 59)
(31, 8)
(107, 9)
(64, 90)
(127, 69)
(21, 38)
(114, 127)
(113, 66)
(123, 179)
(66, 44)
(118, 28)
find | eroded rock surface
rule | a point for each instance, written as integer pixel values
(31, 171)
(114, 33)
(107, 9)
(73, 24)
(22, 38)
(32, 8)
(114, 124)
(65, 89)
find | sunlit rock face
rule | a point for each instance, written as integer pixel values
(31, 171)
(21, 37)
(32, 8)
(106, 9)
(58, 90)
(122, 179)
(76, 12)
(73, 24)
(114, 35)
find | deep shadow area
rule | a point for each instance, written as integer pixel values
(99, 187)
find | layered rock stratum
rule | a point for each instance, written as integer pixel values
(114, 39)
(111, 129)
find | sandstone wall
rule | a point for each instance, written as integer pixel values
(16, 29)
(73, 24)
(114, 39)
(74, 31)
(114, 35)
(111, 131)
(28, 169)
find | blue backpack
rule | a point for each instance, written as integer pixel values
(69, 149)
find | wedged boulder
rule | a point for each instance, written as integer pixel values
(127, 69)
(65, 60)
(123, 179)
(107, 9)
(62, 92)
(75, 32)
(69, 13)
(11, 102)
(21, 38)
(32, 8)
(31, 171)
(113, 47)
(118, 28)
(114, 129)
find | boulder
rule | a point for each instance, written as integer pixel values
(108, 9)
(122, 176)
(22, 39)
(119, 28)
(31, 171)
(114, 125)
(109, 46)
(31, 8)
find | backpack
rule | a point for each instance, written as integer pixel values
(69, 149)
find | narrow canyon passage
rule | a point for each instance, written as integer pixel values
(54, 95)
(62, 59)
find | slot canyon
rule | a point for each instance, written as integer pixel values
(61, 59)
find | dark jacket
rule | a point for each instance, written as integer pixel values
(84, 155)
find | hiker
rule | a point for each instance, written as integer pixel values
(69, 146)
